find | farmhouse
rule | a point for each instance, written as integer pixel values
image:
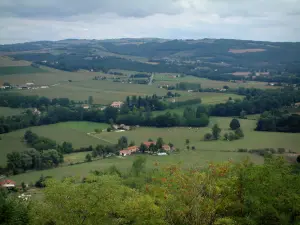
(166, 148)
(117, 104)
(85, 106)
(148, 143)
(7, 184)
(129, 150)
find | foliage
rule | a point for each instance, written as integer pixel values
(216, 130)
(234, 124)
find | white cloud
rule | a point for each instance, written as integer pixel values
(28, 20)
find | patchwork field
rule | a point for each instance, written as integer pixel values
(6, 111)
(168, 78)
(177, 136)
(186, 159)
(74, 132)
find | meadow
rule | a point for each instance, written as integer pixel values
(6, 111)
(19, 70)
(74, 132)
(186, 159)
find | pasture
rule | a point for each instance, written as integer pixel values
(6, 111)
(8, 70)
(178, 135)
(74, 132)
(6, 61)
(185, 159)
(170, 79)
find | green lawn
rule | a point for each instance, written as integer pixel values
(6, 111)
(185, 158)
(74, 132)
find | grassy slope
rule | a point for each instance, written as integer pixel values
(74, 132)
(6, 111)
(8, 70)
(186, 158)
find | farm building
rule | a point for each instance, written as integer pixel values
(129, 150)
(85, 106)
(117, 104)
(7, 184)
(166, 148)
(148, 143)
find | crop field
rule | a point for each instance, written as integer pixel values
(6, 111)
(185, 159)
(74, 132)
(171, 79)
(6, 61)
(19, 70)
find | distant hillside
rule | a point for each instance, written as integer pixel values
(220, 59)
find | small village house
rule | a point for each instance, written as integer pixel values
(129, 150)
(117, 104)
(7, 184)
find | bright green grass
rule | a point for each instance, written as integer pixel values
(177, 136)
(75, 157)
(6, 111)
(19, 70)
(74, 132)
(185, 158)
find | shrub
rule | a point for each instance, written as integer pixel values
(208, 137)
(234, 124)
(281, 150)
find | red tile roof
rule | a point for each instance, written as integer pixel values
(166, 147)
(7, 182)
(148, 143)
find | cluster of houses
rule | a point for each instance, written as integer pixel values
(7, 184)
(135, 149)
(26, 86)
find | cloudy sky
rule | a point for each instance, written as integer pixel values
(32, 20)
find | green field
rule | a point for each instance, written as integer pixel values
(6, 111)
(74, 132)
(185, 158)
(6, 61)
(19, 70)
(168, 78)
(253, 139)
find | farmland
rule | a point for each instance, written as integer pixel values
(19, 70)
(74, 132)
(186, 159)
(6, 111)
(216, 151)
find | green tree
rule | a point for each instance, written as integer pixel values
(208, 137)
(132, 143)
(189, 113)
(234, 124)
(201, 109)
(88, 158)
(138, 166)
(123, 142)
(143, 148)
(94, 153)
(159, 143)
(90, 100)
(239, 133)
(187, 141)
(216, 130)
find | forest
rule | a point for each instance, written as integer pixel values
(227, 193)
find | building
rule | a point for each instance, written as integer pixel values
(7, 184)
(148, 143)
(129, 150)
(117, 104)
(166, 148)
(85, 106)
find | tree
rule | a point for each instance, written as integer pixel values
(159, 143)
(187, 141)
(243, 114)
(201, 109)
(94, 153)
(100, 150)
(153, 148)
(132, 143)
(189, 113)
(239, 133)
(143, 148)
(234, 124)
(98, 131)
(208, 137)
(90, 100)
(123, 142)
(138, 166)
(226, 136)
(88, 158)
(188, 147)
(216, 130)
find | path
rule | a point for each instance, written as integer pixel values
(102, 139)
(151, 79)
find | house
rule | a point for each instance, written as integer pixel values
(117, 104)
(162, 154)
(7, 184)
(129, 150)
(85, 106)
(148, 143)
(36, 111)
(44, 87)
(166, 148)
(29, 84)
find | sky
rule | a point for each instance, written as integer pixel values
(34, 20)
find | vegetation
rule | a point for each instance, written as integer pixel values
(172, 194)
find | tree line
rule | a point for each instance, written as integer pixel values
(227, 193)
